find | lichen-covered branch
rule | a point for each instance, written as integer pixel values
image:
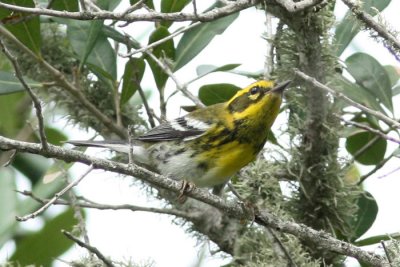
(234, 209)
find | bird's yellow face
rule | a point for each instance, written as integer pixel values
(261, 100)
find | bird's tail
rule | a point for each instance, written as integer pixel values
(116, 145)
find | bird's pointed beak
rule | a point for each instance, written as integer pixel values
(280, 87)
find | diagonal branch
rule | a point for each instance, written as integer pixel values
(369, 21)
(35, 99)
(90, 248)
(234, 209)
(375, 113)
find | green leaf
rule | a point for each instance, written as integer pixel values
(102, 58)
(204, 70)
(370, 74)
(356, 93)
(12, 118)
(376, 239)
(10, 84)
(169, 6)
(196, 39)
(133, 74)
(67, 5)
(25, 30)
(375, 151)
(109, 5)
(162, 51)
(217, 93)
(55, 136)
(32, 166)
(348, 28)
(42, 247)
(366, 214)
(396, 90)
(393, 74)
(92, 36)
(7, 211)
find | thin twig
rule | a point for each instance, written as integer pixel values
(85, 203)
(163, 40)
(292, 6)
(146, 107)
(181, 87)
(387, 253)
(375, 113)
(83, 5)
(78, 215)
(35, 99)
(56, 196)
(279, 247)
(90, 248)
(370, 129)
(133, 7)
(375, 169)
(268, 64)
(380, 29)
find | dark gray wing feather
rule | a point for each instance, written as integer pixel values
(178, 129)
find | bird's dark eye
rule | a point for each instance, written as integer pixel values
(254, 90)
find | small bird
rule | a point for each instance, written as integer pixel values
(209, 145)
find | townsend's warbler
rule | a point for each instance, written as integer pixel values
(209, 145)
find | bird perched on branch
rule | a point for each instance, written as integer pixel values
(209, 145)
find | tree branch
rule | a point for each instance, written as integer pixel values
(56, 196)
(264, 218)
(375, 113)
(293, 7)
(93, 205)
(369, 21)
(131, 17)
(90, 248)
(35, 99)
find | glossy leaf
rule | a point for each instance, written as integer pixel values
(42, 247)
(372, 76)
(55, 136)
(393, 74)
(91, 39)
(169, 6)
(162, 51)
(10, 123)
(348, 28)
(67, 5)
(10, 84)
(196, 39)
(376, 239)
(32, 166)
(9, 199)
(396, 90)
(366, 214)
(102, 58)
(217, 93)
(109, 5)
(25, 30)
(204, 70)
(356, 93)
(133, 74)
(372, 154)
